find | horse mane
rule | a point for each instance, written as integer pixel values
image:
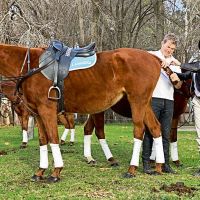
(42, 47)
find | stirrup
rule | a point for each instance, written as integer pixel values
(58, 93)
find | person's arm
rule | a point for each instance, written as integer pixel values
(185, 76)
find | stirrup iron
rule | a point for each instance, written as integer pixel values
(58, 93)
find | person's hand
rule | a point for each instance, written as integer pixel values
(175, 62)
(164, 64)
(174, 78)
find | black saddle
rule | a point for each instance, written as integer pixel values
(194, 66)
(56, 62)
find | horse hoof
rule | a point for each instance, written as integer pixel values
(62, 142)
(155, 173)
(71, 143)
(151, 172)
(92, 163)
(23, 145)
(128, 175)
(178, 163)
(36, 178)
(115, 165)
(52, 179)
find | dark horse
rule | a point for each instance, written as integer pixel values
(8, 90)
(117, 72)
(181, 98)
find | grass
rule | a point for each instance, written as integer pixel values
(81, 181)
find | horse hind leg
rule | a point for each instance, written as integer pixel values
(173, 143)
(64, 121)
(67, 120)
(153, 125)
(138, 113)
(99, 131)
(88, 129)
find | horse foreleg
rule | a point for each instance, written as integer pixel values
(50, 123)
(88, 129)
(24, 124)
(173, 142)
(43, 140)
(154, 127)
(99, 131)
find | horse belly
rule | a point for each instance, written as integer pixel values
(89, 97)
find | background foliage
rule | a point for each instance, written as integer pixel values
(110, 23)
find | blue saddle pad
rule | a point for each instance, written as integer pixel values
(82, 62)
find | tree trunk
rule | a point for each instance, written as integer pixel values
(159, 20)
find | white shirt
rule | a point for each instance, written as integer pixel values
(164, 88)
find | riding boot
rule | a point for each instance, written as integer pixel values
(166, 167)
(146, 152)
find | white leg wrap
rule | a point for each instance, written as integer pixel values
(105, 148)
(64, 135)
(72, 135)
(153, 152)
(159, 150)
(174, 151)
(58, 161)
(136, 152)
(44, 157)
(25, 136)
(87, 145)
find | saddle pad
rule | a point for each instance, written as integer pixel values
(82, 62)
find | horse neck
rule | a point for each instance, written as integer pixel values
(11, 59)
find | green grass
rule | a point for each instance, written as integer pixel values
(81, 181)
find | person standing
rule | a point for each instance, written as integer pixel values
(195, 76)
(162, 102)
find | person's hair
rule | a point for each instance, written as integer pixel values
(172, 37)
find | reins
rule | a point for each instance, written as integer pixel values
(33, 71)
(19, 79)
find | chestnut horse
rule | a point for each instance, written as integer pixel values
(8, 89)
(117, 72)
(181, 97)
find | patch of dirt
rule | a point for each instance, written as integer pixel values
(179, 188)
(2, 153)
